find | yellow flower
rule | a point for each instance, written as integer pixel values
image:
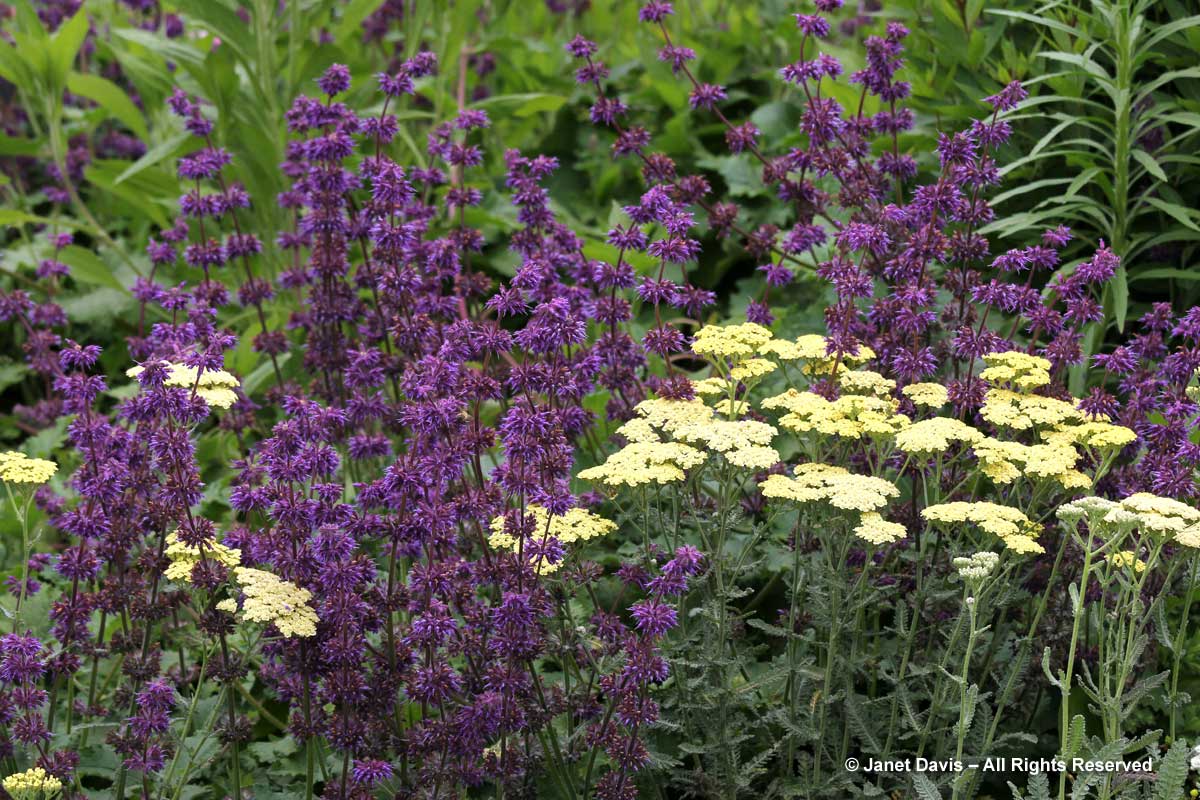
(866, 382)
(641, 463)
(877, 530)
(735, 409)
(710, 386)
(1005, 461)
(19, 468)
(751, 369)
(1022, 370)
(834, 485)
(1017, 411)
(753, 456)
(1127, 560)
(1008, 524)
(1162, 515)
(577, 525)
(670, 415)
(1091, 434)
(639, 430)
(725, 435)
(735, 342)
(935, 435)
(32, 784)
(185, 556)
(228, 606)
(850, 416)
(930, 395)
(213, 386)
(814, 350)
(270, 599)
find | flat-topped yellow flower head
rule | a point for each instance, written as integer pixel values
(1008, 524)
(184, 557)
(1022, 371)
(836, 486)
(270, 599)
(21, 469)
(645, 463)
(734, 342)
(576, 525)
(936, 435)
(213, 386)
(929, 395)
(32, 784)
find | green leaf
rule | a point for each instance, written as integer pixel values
(1175, 211)
(1172, 772)
(64, 46)
(925, 788)
(154, 155)
(111, 98)
(1167, 273)
(526, 105)
(88, 268)
(1119, 286)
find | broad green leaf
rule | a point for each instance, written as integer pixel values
(64, 46)
(111, 98)
(88, 268)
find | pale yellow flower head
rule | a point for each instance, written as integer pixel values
(270, 599)
(1023, 371)
(752, 369)
(643, 463)
(929, 395)
(873, 528)
(185, 556)
(577, 525)
(866, 382)
(1016, 411)
(1006, 523)
(1094, 434)
(936, 435)
(213, 386)
(735, 342)
(32, 784)
(833, 485)
(19, 468)
(976, 567)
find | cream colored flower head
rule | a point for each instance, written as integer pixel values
(735, 342)
(1006, 523)
(929, 395)
(184, 557)
(576, 525)
(645, 463)
(1023, 371)
(833, 485)
(873, 528)
(32, 784)
(19, 468)
(936, 435)
(269, 599)
(213, 386)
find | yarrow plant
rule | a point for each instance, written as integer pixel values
(416, 495)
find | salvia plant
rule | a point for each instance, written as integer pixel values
(390, 474)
